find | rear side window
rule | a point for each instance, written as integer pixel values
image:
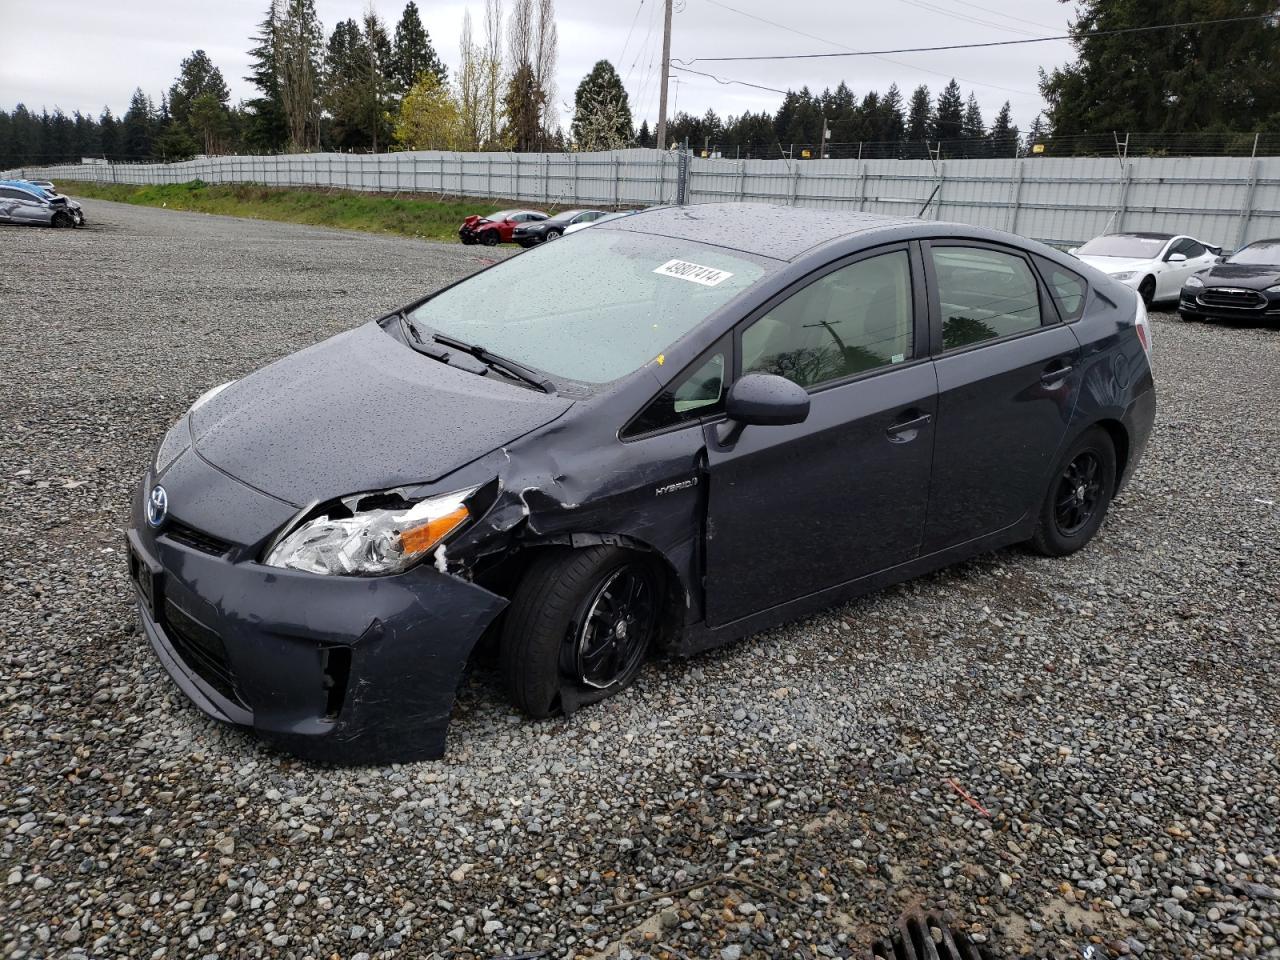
(854, 319)
(1067, 288)
(984, 295)
(699, 393)
(1190, 248)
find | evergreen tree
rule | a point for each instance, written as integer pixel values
(523, 106)
(266, 126)
(197, 76)
(413, 55)
(1213, 77)
(601, 110)
(1003, 135)
(137, 129)
(109, 134)
(948, 120)
(972, 127)
(893, 127)
(645, 137)
(297, 42)
(920, 115)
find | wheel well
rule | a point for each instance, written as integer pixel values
(505, 576)
(1120, 440)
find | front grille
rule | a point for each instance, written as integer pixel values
(196, 539)
(200, 649)
(1232, 298)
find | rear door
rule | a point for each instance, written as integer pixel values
(7, 203)
(796, 509)
(1009, 376)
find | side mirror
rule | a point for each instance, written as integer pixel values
(1176, 258)
(762, 399)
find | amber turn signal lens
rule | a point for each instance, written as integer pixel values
(419, 539)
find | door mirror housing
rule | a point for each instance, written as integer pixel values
(1177, 258)
(762, 399)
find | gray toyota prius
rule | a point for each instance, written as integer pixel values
(655, 436)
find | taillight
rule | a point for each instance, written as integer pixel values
(1142, 325)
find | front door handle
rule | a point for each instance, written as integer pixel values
(1055, 373)
(907, 429)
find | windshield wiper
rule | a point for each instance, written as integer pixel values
(511, 368)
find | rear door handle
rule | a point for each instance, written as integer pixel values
(898, 433)
(1055, 373)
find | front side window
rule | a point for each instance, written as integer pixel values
(984, 294)
(698, 394)
(852, 320)
(591, 311)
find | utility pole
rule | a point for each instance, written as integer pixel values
(666, 70)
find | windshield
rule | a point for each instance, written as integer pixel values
(595, 307)
(1266, 253)
(502, 215)
(1123, 245)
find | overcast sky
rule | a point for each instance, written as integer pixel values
(87, 54)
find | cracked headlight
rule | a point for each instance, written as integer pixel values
(374, 542)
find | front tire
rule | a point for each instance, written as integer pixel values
(579, 627)
(63, 219)
(1078, 496)
(490, 238)
(1147, 290)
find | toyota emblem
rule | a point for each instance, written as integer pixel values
(157, 506)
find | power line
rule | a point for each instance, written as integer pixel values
(966, 17)
(896, 63)
(990, 43)
(726, 82)
(1001, 13)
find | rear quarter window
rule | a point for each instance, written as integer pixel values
(1068, 289)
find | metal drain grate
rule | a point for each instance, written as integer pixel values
(926, 936)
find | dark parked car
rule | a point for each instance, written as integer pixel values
(497, 227)
(682, 427)
(540, 231)
(1243, 286)
(22, 202)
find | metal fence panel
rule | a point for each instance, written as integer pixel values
(1062, 200)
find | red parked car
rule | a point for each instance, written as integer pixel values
(497, 227)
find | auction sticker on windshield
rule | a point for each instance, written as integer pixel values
(693, 272)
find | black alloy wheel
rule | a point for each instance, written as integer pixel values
(491, 238)
(1147, 290)
(63, 219)
(579, 626)
(615, 633)
(1079, 494)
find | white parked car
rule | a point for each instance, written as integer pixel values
(1154, 264)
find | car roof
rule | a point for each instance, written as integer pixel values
(768, 230)
(24, 185)
(1145, 235)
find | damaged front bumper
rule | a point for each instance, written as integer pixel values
(341, 669)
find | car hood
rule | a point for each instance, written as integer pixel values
(360, 411)
(1251, 276)
(1114, 264)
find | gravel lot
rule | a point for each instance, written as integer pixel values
(1115, 715)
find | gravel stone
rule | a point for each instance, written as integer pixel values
(1113, 714)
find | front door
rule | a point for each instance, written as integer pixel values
(1174, 275)
(1009, 375)
(793, 510)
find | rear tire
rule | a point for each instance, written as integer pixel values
(1078, 496)
(579, 626)
(1147, 290)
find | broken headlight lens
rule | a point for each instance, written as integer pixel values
(371, 543)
